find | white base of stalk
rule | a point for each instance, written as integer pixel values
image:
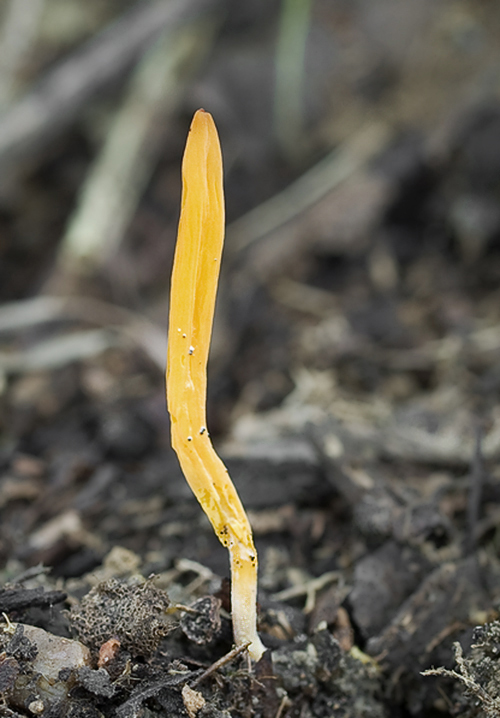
(244, 599)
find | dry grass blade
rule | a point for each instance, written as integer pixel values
(55, 353)
(20, 26)
(32, 312)
(59, 97)
(308, 189)
(116, 181)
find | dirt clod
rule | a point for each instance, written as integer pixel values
(135, 613)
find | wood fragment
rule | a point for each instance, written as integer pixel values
(221, 662)
(18, 598)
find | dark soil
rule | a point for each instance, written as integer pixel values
(353, 394)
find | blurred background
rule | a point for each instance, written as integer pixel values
(361, 142)
(354, 379)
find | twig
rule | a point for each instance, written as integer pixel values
(221, 662)
(29, 573)
(204, 574)
(308, 588)
(183, 608)
(59, 97)
(285, 703)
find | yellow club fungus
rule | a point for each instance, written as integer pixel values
(192, 302)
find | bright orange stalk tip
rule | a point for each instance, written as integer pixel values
(192, 302)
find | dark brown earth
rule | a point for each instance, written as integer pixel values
(354, 381)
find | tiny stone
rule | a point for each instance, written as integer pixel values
(37, 707)
(193, 701)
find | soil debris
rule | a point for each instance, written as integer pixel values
(354, 384)
(322, 680)
(202, 623)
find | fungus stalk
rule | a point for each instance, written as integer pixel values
(192, 302)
